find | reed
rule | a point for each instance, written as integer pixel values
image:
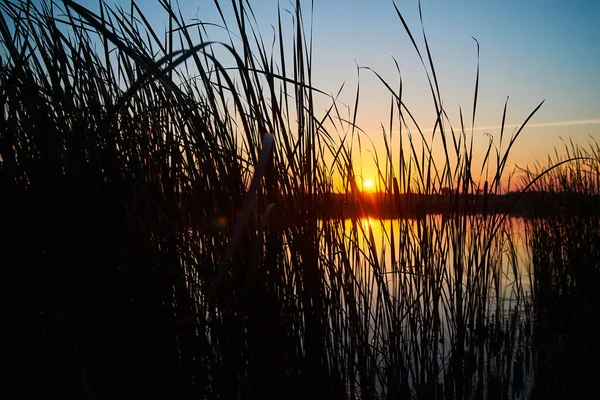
(564, 250)
(157, 245)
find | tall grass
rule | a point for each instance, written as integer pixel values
(122, 177)
(565, 268)
(152, 249)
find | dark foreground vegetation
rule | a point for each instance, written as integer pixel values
(565, 248)
(152, 244)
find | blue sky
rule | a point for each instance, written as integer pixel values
(530, 50)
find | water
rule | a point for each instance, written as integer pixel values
(431, 276)
(411, 246)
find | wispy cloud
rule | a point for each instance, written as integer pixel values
(509, 126)
(594, 121)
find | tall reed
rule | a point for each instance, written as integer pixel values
(564, 244)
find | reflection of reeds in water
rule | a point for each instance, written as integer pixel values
(117, 207)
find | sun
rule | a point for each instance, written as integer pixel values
(368, 184)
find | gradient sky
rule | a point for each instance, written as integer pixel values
(530, 50)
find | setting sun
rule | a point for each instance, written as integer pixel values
(368, 185)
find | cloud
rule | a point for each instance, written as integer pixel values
(508, 127)
(594, 121)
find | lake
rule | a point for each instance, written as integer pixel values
(444, 293)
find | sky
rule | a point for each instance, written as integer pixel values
(531, 51)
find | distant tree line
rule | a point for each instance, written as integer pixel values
(411, 205)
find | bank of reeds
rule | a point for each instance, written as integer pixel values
(123, 174)
(127, 162)
(565, 253)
